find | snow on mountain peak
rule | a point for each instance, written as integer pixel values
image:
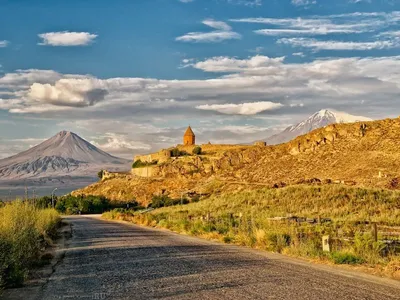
(319, 119)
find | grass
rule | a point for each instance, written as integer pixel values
(24, 233)
(244, 218)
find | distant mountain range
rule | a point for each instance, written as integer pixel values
(65, 156)
(318, 120)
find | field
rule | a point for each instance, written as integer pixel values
(25, 231)
(292, 221)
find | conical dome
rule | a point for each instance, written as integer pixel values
(189, 132)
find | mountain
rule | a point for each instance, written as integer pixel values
(320, 119)
(65, 154)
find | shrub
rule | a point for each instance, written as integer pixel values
(175, 152)
(24, 231)
(100, 174)
(140, 164)
(345, 258)
(197, 150)
(85, 204)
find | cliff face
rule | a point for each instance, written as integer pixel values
(366, 153)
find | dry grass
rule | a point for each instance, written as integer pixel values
(243, 218)
(24, 232)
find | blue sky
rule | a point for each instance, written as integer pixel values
(130, 75)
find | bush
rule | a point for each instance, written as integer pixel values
(175, 152)
(24, 231)
(100, 174)
(197, 150)
(141, 164)
(345, 258)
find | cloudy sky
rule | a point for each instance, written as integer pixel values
(129, 76)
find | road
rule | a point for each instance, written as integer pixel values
(112, 260)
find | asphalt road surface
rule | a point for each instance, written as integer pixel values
(110, 260)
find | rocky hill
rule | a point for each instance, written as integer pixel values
(320, 119)
(361, 153)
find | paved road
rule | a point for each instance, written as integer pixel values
(108, 260)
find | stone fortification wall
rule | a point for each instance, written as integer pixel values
(160, 157)
(145, 172)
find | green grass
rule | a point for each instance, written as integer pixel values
(243, 218)
(345, 258)
(24, 232)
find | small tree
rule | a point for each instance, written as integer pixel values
(175, 152)
(197, 150)
(100, 174)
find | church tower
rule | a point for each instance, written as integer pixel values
(189, 139)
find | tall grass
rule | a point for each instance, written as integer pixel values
(244, 218)
(24, 232)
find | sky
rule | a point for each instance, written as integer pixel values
(130, 76)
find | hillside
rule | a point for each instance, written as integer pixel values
(363, 154)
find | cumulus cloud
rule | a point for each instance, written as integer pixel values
(340, 81)
(68, 92)
(66, 38)
(223, 32)
(242, 108)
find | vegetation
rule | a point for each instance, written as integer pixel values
(72, 205)
(197, 150)
(177, 153)
(140, 164)
(247, 218)
(165, 201)
(25, 231)
(100, 174)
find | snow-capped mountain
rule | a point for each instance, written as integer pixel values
(319, 119)
(65, 154)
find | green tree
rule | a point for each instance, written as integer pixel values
(100, 174)
(197, 150)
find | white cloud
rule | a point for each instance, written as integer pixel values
(303, 2)
(68, 92)
(313, 31)
(208, 37)
(4, 44)
(186, 1)
(246, 2)
(223, 32)
(67, 38)
(300, 54)
(250, 80)
(229, 64)
(241, 109)
(392, 34)
(243, 129)
(328, 24)
(217, 24)
(119, 144)
(339, 45)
